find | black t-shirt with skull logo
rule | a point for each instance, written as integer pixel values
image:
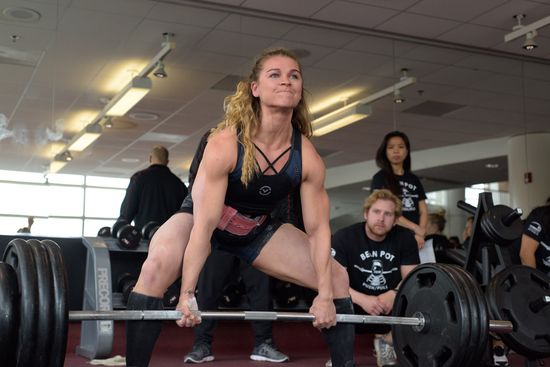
(374, 267)
(412, 192)
(536, 227)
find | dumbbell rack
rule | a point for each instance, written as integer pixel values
(96, 337)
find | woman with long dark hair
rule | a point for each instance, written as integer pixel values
(394, 159)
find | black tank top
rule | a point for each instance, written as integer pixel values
(264, 192)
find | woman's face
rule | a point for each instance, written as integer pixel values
(396, 150)
(279, 83)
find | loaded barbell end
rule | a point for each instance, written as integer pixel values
(512, 216)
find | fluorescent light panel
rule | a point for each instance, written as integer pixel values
(128, 97)
(85, 138)
(355, 111)
(341, 117)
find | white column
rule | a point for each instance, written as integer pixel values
(529, 170)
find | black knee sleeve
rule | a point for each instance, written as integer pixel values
(341, 338)
(141, 335)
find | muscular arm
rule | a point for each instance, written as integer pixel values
(527, 252)
(208, 197)
(315, 210)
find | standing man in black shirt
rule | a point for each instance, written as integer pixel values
(377, 255)
(154, 194)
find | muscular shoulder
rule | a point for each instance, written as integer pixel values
(221, 149)
(312, 164)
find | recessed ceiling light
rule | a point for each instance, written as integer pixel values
(143, 116)
(492, 165)
(21, 14)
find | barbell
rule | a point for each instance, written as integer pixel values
(440, 313)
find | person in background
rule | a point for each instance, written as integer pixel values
(377, 255)
(467, 232)
(455, 242)
(254, 158)
(434, 233)
(27, 229)
(535, 240)
(153, 194)
(393, 157)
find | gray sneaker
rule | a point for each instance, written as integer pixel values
(199, 354)
(385, 354)
(328, 363)
(267, 352)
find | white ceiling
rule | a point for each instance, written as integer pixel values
(84, 51)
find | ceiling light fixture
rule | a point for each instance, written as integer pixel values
(108, 123)
(529, 31)
(530, 43)
(128, 97)
(85, 137)
(341, 117)
(397, 97)
(60, 160)
(357, 110)
(121, 103)
(159, 71)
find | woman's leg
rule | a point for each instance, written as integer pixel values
(161, 268)
(287, 256)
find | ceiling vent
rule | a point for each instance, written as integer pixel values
(434, 108)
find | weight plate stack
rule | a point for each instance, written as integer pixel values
(432, 292)
(518, 294)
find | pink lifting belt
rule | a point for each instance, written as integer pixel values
(238, 224)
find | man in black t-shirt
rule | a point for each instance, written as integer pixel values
(377, 255)
(535, 242)
(153, 194)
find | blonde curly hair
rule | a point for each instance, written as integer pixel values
(243, 113)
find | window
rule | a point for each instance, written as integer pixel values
(62, 205)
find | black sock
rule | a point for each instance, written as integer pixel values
(341, 338)
(141, 336)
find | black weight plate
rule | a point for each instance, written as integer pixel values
(149, 229)
(480, 320)
(496, 230)
(9, 315)
(127, 288)
(46, 302)
(18, 254)
(458, 277)
(469, 297)
(117, 226)
(510, 294)
(104, 232)
(128, 237)
(483, 313)
(61, 309)
(430, 290)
